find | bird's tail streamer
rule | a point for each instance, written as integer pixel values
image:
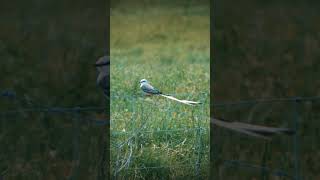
(252, 130)
(191, 103)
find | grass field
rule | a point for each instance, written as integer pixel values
(152, 137)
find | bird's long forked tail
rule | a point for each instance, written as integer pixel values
(253, 130)
(191, 103)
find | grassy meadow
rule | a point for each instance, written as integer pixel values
(153, 137)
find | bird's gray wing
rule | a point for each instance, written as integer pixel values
(149, 89)
(103, 79)
(104, 82)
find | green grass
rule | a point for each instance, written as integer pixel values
(170, 48)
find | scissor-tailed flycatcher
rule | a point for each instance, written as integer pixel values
(103, 80)
(150, 90)
(252, 130)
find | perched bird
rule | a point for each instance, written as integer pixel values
(147, 88)
(103, 79)
(252, 130)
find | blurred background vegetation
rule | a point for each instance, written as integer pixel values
(47, 52)
(266, 49)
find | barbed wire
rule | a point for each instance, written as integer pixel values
(271, 100)
(125, 165)
(163, 130)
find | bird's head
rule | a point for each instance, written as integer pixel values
(143, 81)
